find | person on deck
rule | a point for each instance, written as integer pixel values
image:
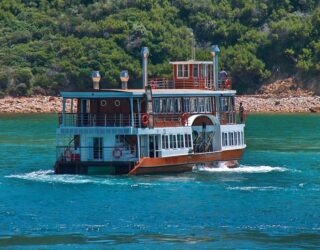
(241, 113)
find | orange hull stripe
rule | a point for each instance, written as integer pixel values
(187, 159)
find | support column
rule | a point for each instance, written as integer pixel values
(138, 142)
(71, 109)
(131, 110)
(139, 114)
(63, 111)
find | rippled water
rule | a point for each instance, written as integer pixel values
(271, 201)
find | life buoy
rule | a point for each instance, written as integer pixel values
(184, 118)
(145, 119)
(68, 153)
(228, 83)
(117, 153)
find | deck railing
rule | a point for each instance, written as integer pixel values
(94, 120)
(228, 117)
(125, 120)
(117, 120)
(196, 83)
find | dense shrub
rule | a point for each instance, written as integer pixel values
(52, 45)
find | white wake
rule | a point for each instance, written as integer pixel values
(241, 169)
(48, 176)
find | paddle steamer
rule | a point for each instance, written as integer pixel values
(167, 125)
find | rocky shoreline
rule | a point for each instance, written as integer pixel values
(274, 104)
(252, 104)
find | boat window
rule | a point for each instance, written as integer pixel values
(180, 141)
(235, 138)
(242, 138)
(224, 139)
(186, 105)
(167, 105)
(183, 70)
(187, 138)
(163, 138)
(230, 140)
(171, 141)
(163, 105)
(174, 141)
(194, 106)
(156, 105)
(201, 104)
(239, 138)
(226, 103)
(208, 106)
(177, 105)
(197, 105)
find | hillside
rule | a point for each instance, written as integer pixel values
(48, 45)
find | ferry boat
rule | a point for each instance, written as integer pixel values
(165, 126)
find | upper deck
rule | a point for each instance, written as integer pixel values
(196, 88)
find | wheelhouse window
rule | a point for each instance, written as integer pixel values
(182, 70)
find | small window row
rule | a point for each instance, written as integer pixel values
(176, 141)
(232, 138)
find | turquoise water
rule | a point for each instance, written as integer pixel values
(272, 201)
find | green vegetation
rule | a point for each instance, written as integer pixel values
(48, 45)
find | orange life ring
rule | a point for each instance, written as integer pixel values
(184, 118)
(68, 153)
(117, 153)
(228, 83)
(145, 119)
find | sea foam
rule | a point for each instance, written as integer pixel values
(242, 169)
(48, 176)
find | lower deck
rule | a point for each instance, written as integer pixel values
(147, 165)
(125, 149)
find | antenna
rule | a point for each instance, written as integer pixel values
(193, 45)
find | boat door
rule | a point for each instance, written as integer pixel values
(154, 149)
(97, 148)
(84, 112)
(206, 78)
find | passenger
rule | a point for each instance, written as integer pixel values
(223, 78)
(241, 113)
